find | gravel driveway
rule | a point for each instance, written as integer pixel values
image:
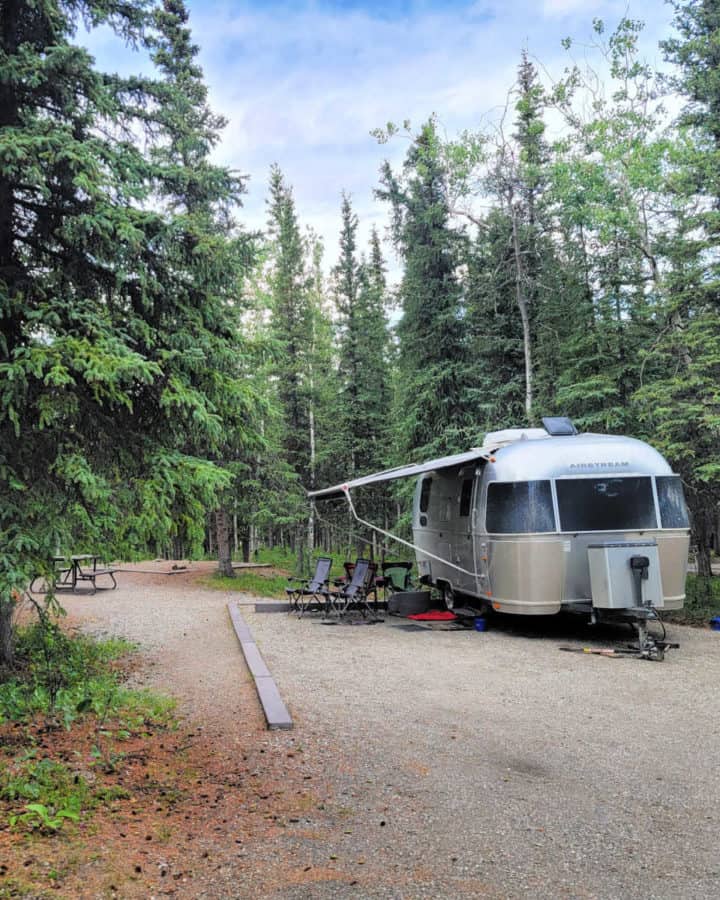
(456, 763)
(504, 768)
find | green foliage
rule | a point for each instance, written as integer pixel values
(120, 329)
(55, 794)
(702, 602)
(431, 415)
(69, 677)
(252, 583)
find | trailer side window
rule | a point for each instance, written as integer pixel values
(425, 494)
(673, 511)
(466, 497)
(606, 504)
(519, 507)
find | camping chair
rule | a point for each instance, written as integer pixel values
(314, 589)
(356, 591)
(396, 577)
(373, 581)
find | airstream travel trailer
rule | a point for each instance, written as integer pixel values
(543, 519)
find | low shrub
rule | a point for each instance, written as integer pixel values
(59, 680)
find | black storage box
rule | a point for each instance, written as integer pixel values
(408, 603)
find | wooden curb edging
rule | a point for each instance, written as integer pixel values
(276, 713)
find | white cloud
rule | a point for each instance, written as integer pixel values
(564, 7)
(303, 84)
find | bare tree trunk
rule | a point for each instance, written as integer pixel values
(253, 539)
(235, 533)
(222, 532)
(246, 549)
(524, 316)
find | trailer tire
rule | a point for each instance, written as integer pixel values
(450, 596)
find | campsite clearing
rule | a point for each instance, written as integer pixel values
(422, 763)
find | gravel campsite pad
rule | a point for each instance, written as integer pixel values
(431, 763)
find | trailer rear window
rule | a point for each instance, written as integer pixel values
(606, 504)
(519, 507)
(671, 499)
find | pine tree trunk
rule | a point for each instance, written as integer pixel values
(7, 634)
(222, 532)
(311, 516)
(703, 557)
(702, 531)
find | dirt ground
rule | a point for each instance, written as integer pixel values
(422, 764)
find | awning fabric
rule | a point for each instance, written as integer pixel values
(433, 465)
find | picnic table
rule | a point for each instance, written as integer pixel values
(69, 573)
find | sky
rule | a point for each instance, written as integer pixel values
(303, 82)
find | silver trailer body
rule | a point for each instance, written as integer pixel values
(514, 527)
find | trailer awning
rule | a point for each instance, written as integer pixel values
(410, 471)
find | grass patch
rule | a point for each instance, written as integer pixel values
(702, 602)
(269, 582)
(251, 582)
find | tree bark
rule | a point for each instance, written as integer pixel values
(7, 636)
(222, 534)
(703, 524)
(524, 316)
(311, 515)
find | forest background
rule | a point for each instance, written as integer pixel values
(172, 383)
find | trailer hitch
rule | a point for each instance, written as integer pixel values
(651, 649)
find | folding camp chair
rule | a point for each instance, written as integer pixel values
(356, 592)
(313, 590)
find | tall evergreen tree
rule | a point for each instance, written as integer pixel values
(346, 277)
(374, 374)
(431, 415)
(303, 369)
(114, 356)
(201, 196)
(494, 328)
(290, 320)
(683, 405)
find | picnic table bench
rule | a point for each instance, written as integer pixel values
(70, 572)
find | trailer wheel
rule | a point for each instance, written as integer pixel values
(449, 596)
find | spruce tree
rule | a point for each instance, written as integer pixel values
(114, 351)
(303, 369)
(431, 413)
(346, 277)
(290, 320)
(207, 249)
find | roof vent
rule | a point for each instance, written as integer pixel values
(558, 426)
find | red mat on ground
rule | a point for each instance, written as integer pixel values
(435, 615)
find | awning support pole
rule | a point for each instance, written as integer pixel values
(393, 537)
